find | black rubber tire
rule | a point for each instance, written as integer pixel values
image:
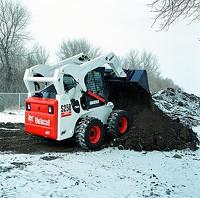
(114, 118)
(83, 130)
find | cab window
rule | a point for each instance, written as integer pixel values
(94, 82)
(68, 82)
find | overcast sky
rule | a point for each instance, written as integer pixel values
(118, 26)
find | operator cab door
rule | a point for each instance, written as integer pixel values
(69, 85)
(96, 92)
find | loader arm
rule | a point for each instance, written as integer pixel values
(50, 73)
(77, 66)
(80, 72)
(110, 59)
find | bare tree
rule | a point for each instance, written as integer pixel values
(149, 62)
(168, 11)
(144, 60)
(132, 60)
(37, 55)
(13, 22)
(72, 47)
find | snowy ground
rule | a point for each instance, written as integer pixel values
(12, 116)
(106, 173)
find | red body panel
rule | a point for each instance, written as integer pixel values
(38, 121)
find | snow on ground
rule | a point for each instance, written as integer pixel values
(14, 116)
(106, 173)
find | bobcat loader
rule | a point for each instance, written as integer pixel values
(71, 98)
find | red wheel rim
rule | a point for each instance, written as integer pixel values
(123, 125)
(94, 134)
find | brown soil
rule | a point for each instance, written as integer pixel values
(16, 140)
(150, 128)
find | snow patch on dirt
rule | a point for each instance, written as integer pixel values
(197, 130)
(179, 105)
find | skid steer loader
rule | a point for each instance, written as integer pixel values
(70, 98)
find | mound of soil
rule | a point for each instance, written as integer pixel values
(179, 104)
(150, 128)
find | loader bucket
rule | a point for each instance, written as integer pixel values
(128, 91)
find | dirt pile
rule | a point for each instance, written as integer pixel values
(179, 105)
(151, 129)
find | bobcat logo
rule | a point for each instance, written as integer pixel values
(30, 118)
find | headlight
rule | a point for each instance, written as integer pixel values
(50, 109)
(28, 106)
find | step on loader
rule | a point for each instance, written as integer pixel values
(73, 98)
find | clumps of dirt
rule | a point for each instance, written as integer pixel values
(49, 158)
(150, 128)
(178, 104)
(14, 139)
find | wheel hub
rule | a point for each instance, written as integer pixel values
(94, 134)
(123, 125)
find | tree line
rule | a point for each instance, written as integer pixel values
(15, 57)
